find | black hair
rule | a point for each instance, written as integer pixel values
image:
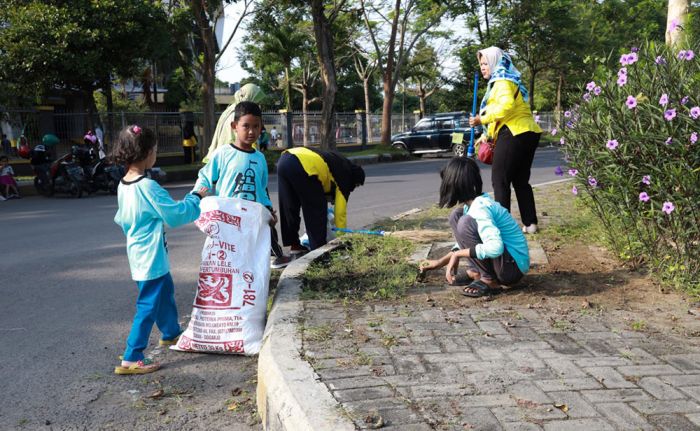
(133, 145)
(461, 182)
(246, 108)
(5, 158)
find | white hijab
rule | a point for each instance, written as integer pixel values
(492, 55)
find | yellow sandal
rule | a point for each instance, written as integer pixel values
(143, 366)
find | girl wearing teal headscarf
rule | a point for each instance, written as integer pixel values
(510, 123)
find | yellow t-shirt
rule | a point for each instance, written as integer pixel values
(503, 109)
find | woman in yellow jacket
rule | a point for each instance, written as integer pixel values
(510, 124)
(308, 179)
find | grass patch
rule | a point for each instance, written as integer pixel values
(376, 150)
(362, 267)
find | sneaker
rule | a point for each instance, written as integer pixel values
(281, 262)
(530, 229)
(298, 250)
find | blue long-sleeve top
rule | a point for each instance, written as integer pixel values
(238, 173)
(144, 208)
(497, 230)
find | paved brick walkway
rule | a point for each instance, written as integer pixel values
(479, 365)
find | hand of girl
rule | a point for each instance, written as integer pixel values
(273, 219)
(451, 268)
(427, 265)
(203, 192)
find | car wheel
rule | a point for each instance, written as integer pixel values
(459, 150)
(399, 146)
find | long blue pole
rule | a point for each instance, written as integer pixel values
(366, 232)
(470, 151)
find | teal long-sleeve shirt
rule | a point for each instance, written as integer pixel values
(144, 208)
(238, 173)
(497, 230)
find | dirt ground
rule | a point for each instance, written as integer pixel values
(583, 278)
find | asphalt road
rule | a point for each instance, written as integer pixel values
(67, 303)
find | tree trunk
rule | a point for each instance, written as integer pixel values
(560, 84)
(676, 21)
(305, 114)
(365, 83)
(324, 48)
(287, 88)
(386, 112)
(107, 88)
(208, 69)
(532, 89)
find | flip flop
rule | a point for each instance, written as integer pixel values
(143, 366)
(482, 289)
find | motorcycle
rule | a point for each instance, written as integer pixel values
(61, 176)
(100, 173)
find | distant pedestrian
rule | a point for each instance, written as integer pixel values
(263, 140)
(307, 179)
(512, 127)
(189, 143)
(274, 135)
(7, 179)
(144, 210)
(6, 145)
(487, 235)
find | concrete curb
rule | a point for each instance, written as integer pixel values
(290, 395)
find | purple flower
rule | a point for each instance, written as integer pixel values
(624, 60)
(694, 137)
(554, 131)
(597, 91)
(621, 80)
(558, 172)
(562, 141)
(537, 119)
(634, 49)
(646, 179)
(686, 55)
(663, 100)
(567, 114)
(592, 181)
(669, 141)
(660, 60)
(612, 144)
(574, 190)
(622, 71)
(573, 172)
(644, 197)
(631, 102)
(695, 112)
(632, 58)
(570, 124)
(668, 207)
(684, 100)
(670, 114)
(587, 97)
(674, 25)
(590, 86)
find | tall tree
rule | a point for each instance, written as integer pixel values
(206, 14)
(423, 71)
(365, 66)
(393, 29)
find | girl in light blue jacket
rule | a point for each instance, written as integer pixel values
(488, 237)
(144, 209)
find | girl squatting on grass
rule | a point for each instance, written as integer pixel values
(144, 208)
(488, 237)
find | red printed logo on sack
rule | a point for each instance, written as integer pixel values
(234, 346)
(211, 216)
(214, 290)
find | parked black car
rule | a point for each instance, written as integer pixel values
(434, 134)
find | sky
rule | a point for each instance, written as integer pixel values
(228, 68)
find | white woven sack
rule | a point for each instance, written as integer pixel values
(228, 314)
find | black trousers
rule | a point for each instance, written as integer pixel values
(190, 154)
(502, 268)
(512, 161)
(299, 191)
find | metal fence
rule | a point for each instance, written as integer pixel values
(71, 127)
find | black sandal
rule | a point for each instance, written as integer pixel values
(482, 289)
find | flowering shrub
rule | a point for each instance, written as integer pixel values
(631, 145)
